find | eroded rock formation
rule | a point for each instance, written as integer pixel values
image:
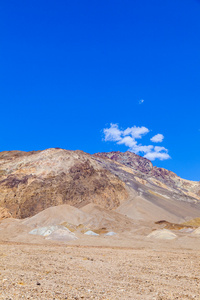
(33, 181)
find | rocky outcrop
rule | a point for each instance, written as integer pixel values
(31, 182)
(129, 159)
(158, 176)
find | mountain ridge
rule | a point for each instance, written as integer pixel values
(33, 181)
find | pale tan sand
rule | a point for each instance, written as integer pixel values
(65, 272)
(128, 265)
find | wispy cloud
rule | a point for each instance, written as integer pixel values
(141, 101)
(128, 138)
(158, 138)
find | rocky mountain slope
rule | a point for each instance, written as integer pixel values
(33, 181)
(159, 176)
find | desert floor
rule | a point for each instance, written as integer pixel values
(35, 271)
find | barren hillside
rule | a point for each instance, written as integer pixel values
(33, 181)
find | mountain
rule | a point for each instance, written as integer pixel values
(145, 170)
(30, 182)
(33, 181)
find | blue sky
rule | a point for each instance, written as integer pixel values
(68, 69)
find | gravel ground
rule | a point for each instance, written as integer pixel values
(70, 272)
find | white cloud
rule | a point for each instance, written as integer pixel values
(159, 152)
(113, 133)
(158, 155)
(136, 132)
(141, 101)
(158, 138)
(127, 141)
(144, 149)
(128, 138)
(159, 149)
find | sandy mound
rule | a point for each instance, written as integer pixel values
(13, 230)
(44, 231)
(57, 215)
(62, 236)
(196, 232)
(90, 232)
(111, 233)
(162, 234)
(56, 233)
(108, 219)
(186, 230)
